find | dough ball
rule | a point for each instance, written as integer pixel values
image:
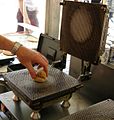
(41, 77)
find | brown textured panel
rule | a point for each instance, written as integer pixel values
(82, 30)
(57, 84)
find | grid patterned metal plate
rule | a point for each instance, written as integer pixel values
(57, 85)
(101, 111)
(84, 30)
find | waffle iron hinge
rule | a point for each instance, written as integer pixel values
(63, 3)
(60, 64)
(86, 74)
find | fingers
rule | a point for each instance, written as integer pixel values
(44, 63)
(43, 58)
(46, 70)
(31, 70)
(45, 66)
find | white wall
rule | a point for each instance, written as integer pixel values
(8, 12)
(41, 14)
(8, 9)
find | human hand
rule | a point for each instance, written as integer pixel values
(28, 57)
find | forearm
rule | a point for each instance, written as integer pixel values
(26, 56)
(5, 44)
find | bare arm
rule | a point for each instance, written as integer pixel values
(5, 44)
(26, 56)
